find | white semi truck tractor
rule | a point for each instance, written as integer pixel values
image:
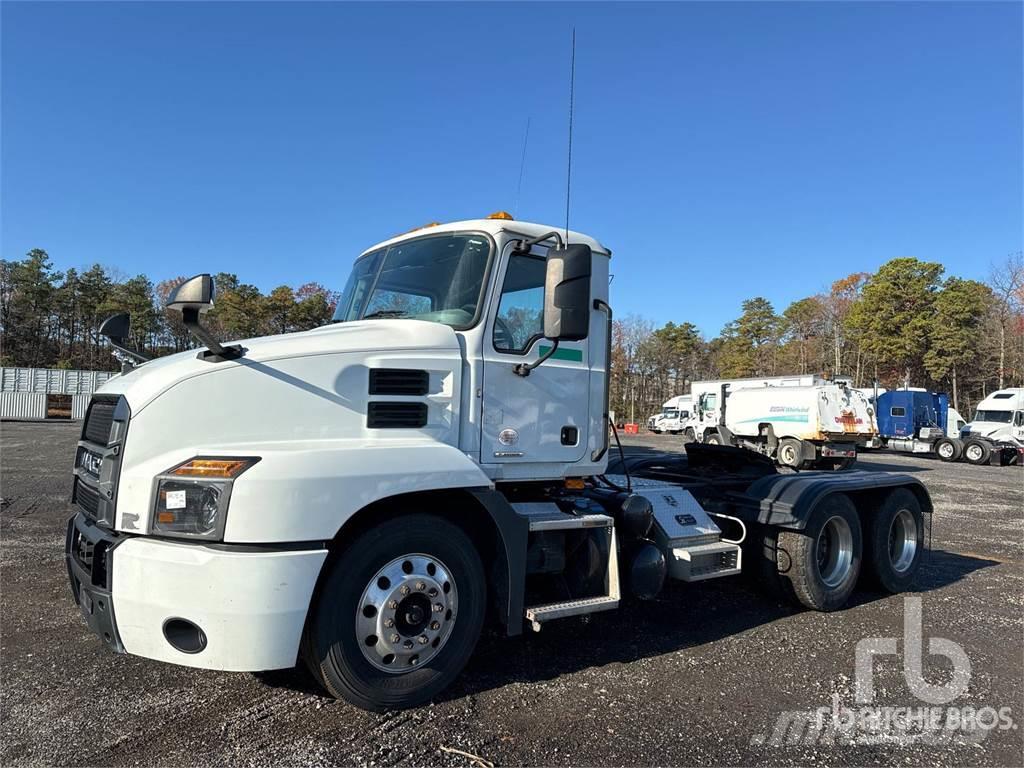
(361, 498)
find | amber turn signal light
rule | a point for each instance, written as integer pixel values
(221, 468)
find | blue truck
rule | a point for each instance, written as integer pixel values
(916, 421)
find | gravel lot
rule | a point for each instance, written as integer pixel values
(699, 676)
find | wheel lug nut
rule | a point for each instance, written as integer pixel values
(420, 586)
(435, 625)
(395, 638)
(389, 623)
(423, 640)
(438, 608)
(393, 605)
(405, 589)
(432, 592)
(407, 643)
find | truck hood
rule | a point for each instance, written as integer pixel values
(150, 379)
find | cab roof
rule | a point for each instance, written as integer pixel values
(493, 227)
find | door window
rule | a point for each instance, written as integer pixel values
(520, 318)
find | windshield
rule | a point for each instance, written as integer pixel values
(439, 278)
(1002, 417)
(670, 413)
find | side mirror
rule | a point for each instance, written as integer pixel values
(192, 298)
(567, 293)
(116, 327)
(196, 293)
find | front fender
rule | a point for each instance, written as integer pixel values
(307, 492)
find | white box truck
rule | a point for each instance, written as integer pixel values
(675, 412)
(361, 497)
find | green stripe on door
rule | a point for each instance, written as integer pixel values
(562, 353)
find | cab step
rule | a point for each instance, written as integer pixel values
(538, 614)
(546, 516)
(705, 561)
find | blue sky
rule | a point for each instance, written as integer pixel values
(721, 150)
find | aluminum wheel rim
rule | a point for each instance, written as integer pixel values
(973, 452)
(902, 541)
(946, 450)
(406, 613)
(834, 551)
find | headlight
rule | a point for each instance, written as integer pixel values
(192, 498)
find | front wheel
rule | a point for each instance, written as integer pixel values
(977, 452)
(790, 453)
(399, 614)
(948, 449)
(712, 438)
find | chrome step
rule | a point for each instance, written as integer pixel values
(705, 561)
(541, 613)
(546, 516)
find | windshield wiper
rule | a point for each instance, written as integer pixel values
(385, 313)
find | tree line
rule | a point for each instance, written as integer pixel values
(50, 319)
(905, 323)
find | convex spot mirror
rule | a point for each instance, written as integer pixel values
(116, 327)
(195, 293)
(567, 293)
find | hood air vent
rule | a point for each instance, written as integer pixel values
(396, 415)
(398, 381)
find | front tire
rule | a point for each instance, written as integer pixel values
(818, 567)
(376, 636)
(895, 542)
(712, 438)
(790, 453)
(977, 452)
(948, 449)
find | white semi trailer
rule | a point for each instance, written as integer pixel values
(361, 497)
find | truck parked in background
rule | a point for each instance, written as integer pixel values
(800, 427)
(996, 433)
(361, 497)
(675, 412)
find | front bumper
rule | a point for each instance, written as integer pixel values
(88, 551)
(250, 602)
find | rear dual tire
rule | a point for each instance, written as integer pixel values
(818, 567)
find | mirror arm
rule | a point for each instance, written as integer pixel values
(523, 369)
(118, 344)
(524, 246)
(190, 318)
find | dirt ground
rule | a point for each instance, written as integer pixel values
(708, 674)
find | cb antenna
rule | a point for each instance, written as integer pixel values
(522, 166)
(568, 175)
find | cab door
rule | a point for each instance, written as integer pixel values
(541, 418)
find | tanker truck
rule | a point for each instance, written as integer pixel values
(800, 426)
(362, 497)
